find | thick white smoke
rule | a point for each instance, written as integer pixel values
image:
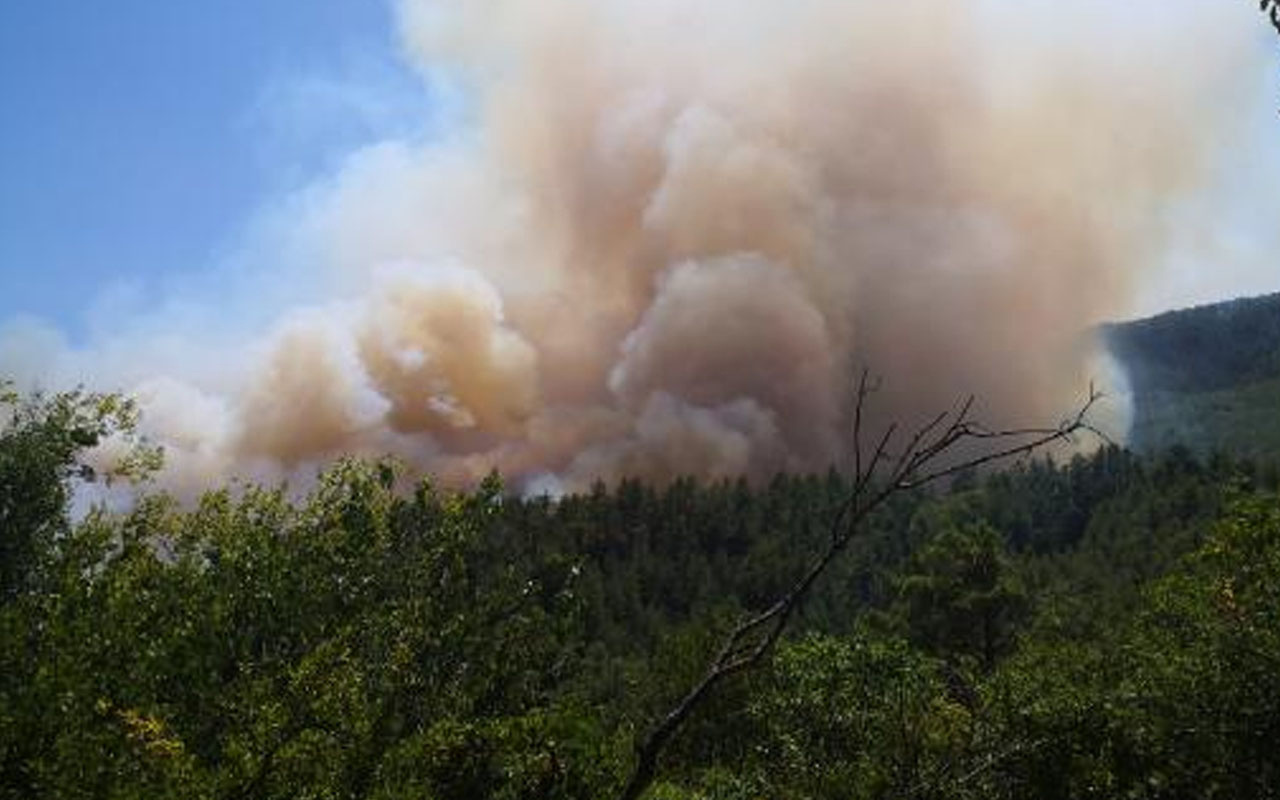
(671, 229)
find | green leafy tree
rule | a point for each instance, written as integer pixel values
(961, 597)
(1181, 700)
(43, 441)
(863, 716)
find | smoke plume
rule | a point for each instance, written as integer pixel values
(667, 232)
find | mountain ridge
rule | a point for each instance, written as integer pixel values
(1206, 377)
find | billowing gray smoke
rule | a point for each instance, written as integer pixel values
(671, 229)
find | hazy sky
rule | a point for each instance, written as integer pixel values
(140, 140)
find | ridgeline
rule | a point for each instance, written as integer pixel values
(1207, 378)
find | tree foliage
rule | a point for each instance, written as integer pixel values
(1101, 627)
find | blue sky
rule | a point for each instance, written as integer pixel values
(138, 136)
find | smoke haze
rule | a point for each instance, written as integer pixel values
(668, 232)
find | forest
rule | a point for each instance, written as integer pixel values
(1104, 625)
(1209, 347)
(1205, 377)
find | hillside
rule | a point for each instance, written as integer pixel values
(1205, 377)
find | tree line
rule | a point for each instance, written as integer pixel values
(1101, 626)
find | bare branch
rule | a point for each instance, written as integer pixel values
(857, 421)
(923, 460)
(1272, 10)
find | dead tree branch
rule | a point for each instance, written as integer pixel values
(929, 454)
(1272, 9)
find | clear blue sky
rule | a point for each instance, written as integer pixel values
(136, 136)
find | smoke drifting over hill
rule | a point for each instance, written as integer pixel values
(670, 230)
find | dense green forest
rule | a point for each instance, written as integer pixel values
(1102, 626)
(1206, 377)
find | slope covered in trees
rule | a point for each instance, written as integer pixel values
(1104, 627)
(1206, 377)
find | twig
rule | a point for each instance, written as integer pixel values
(753, 639)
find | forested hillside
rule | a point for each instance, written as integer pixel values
(1206, 377)
(1103, 627)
